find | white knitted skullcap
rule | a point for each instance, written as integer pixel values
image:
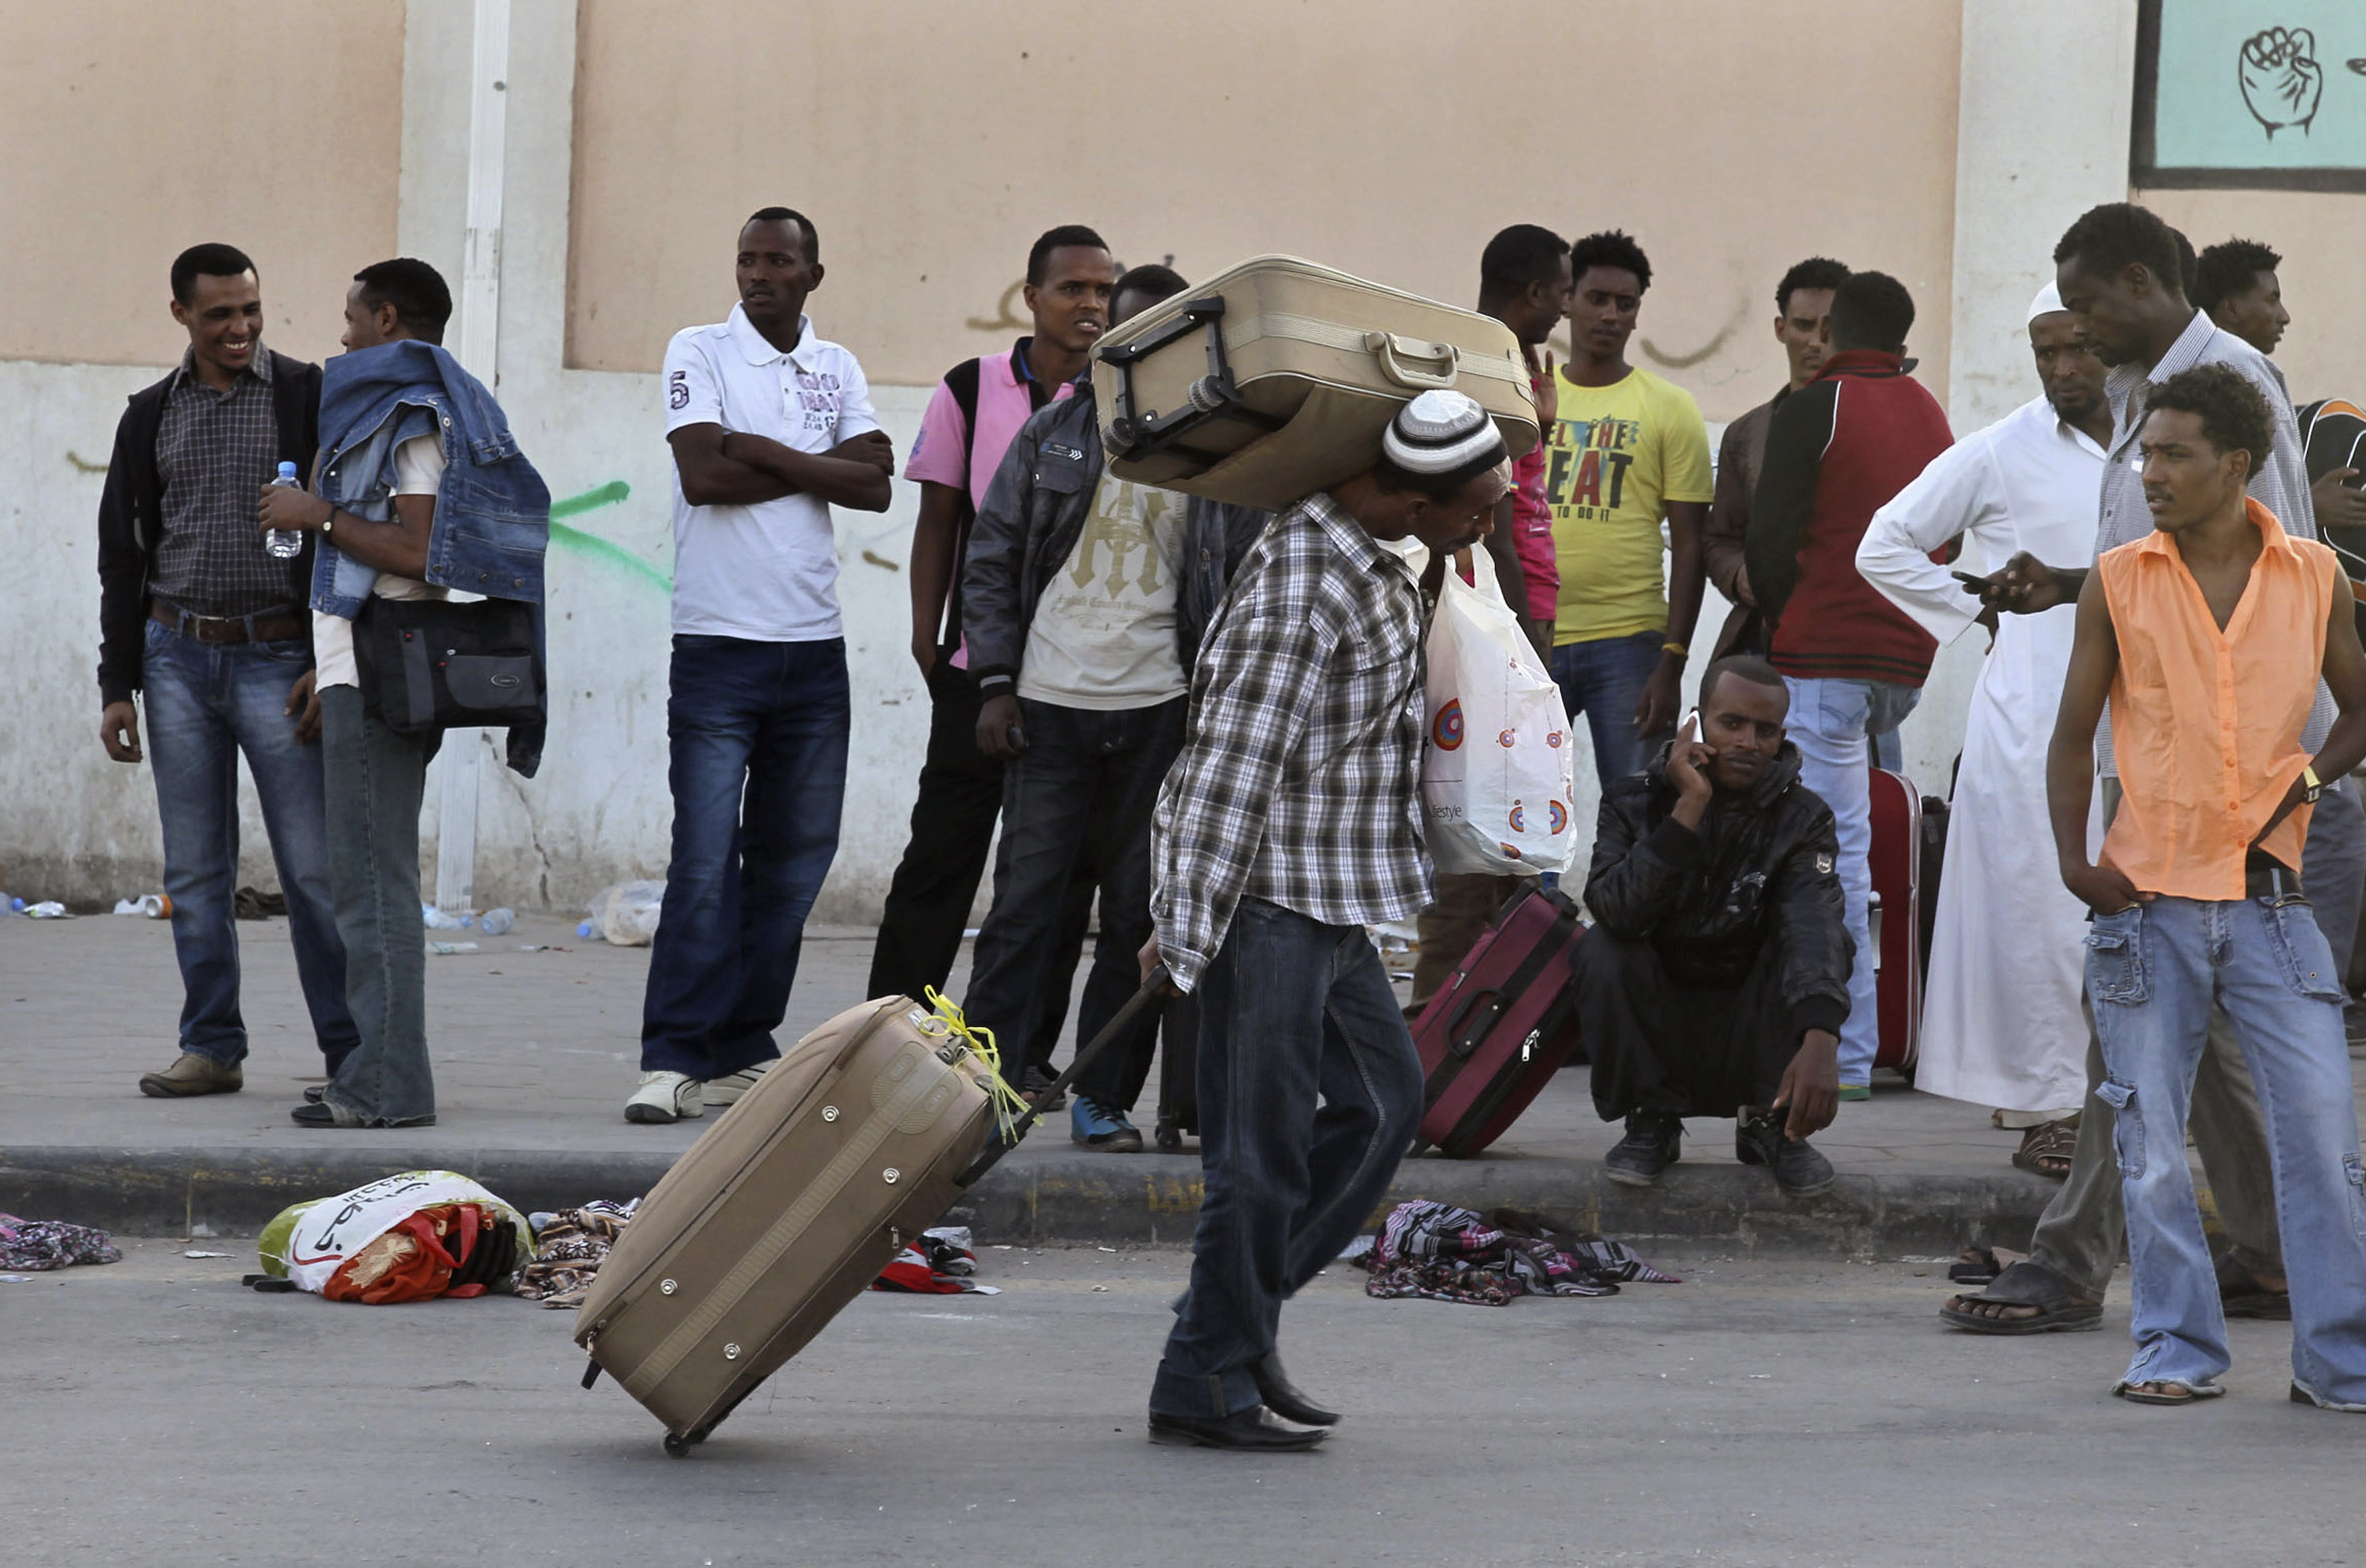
(2048, 302)
(1439, 432)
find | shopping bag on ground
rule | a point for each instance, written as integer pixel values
(411, 1236)
(1495, 779)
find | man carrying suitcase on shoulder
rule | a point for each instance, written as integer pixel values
(1291, 821)
(1717, 976)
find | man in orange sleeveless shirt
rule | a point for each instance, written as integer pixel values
(2208, 637)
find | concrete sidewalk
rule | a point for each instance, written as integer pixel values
(535, 1051)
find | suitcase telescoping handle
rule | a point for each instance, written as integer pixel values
(1153, 989)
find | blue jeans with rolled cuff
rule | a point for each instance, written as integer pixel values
(1309, 1091)
(2153, 970)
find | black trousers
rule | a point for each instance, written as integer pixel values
(1691, 1050)
(935, 885)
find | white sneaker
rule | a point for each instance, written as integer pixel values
(664, 1097)
(727, 1090)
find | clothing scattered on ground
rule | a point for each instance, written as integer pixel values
(940, 1262)
(569, 1248)
(253, 903)
(1618, 454)
(1442, 1253)
(36, 1244)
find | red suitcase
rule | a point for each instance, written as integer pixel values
(1897, 864)
(1502, 1024)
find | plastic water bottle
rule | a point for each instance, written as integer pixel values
(284, 543)
(496, 922)
(438, 920)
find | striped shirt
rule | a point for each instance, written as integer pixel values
(2281, 485)
(1300, 781)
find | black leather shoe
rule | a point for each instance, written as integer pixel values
(1284, 1399)
(1799, 1169)
(1654, 1141)
(1253, 1430)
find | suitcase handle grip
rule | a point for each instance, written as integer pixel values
(1394, 350)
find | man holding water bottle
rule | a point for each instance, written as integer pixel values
(206, 625)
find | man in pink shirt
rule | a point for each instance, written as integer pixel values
(970, 422)
(1525, 283)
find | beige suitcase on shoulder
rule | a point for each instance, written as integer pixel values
(1276, 378)
(859, 1137)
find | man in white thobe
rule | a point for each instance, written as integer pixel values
(2002, 1024)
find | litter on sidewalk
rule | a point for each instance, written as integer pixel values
(155, 906)
(411, 1236)
(1442, 1253)
(39, 1244)
(625, 915)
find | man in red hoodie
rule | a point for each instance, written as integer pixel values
(1837, 451)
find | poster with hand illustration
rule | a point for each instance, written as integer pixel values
(2268, 92)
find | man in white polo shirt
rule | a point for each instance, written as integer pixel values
(769, 425)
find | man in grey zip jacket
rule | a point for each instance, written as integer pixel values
(1084, 599)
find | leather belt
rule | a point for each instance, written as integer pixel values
(277, 626)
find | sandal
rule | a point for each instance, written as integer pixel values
(2166, 1391)
(2024, 1284)
(1976, 1265)
(2045, 1150)
(2240, 1294)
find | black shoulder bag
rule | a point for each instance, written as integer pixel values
(428, 664)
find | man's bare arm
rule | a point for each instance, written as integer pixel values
(855, 473)
(2345, 677)
(711, 479)
(2070, 758)
(935, 537)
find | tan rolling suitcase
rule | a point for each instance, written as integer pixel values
(1276, 378)
(861, 1136)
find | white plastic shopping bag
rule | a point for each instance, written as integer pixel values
(1495, 779)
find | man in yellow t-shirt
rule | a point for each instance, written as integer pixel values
(1626, 452)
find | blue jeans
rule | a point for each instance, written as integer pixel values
(1829, 721)
(376, 782)
(1309, 1091)
(758, 736)
(206, 705)
(1604, 680)
(2153, 970)
(1081, 793)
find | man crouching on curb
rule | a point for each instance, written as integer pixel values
(1716, 981)
(1292, 820)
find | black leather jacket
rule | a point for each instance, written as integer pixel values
(1759, 869)
(1034, 511)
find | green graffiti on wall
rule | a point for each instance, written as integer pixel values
(593, 547)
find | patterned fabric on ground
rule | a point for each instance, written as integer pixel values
(1444, 1253)
(940, 1262)
(35, 1244)
(569, 1247)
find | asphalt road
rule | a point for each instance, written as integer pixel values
(1762, 1413)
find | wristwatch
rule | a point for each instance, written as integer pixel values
(2312, 786)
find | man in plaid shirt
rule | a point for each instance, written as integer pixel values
(1292, 819)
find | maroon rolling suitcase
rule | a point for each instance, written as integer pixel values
(1896, 858)
(1501, 1027)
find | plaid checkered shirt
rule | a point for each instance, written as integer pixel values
(215, 451)
(1300, 781)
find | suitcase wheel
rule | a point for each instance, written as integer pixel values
(677, 1447)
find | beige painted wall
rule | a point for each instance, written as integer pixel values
(134, 131)
(931, 142)
(2320, 237)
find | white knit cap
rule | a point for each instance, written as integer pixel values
(2048, 303)
(1439, 432)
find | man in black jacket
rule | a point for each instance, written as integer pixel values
(197, 616)
(1716, 981)
(1084, 598)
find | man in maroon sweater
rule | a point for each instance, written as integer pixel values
(1837, 451)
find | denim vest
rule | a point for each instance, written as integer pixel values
(492, 510)
(493, 514)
